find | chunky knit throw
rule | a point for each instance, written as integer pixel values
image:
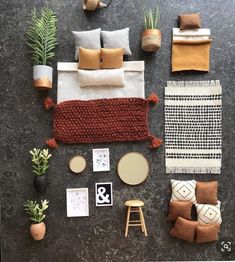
(102, 120)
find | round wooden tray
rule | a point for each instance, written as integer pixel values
(133, 168)
(77, 164)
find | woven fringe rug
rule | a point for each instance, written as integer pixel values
(193, 132)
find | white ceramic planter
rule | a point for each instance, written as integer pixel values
(42, 76)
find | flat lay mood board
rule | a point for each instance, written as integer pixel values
(118, 148)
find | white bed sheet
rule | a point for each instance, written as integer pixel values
(69, 89)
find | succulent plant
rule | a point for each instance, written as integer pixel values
(40, 159)
(33, 209)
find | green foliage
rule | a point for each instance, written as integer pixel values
(42, 36)
(152, 19)
(35, 212)
(40, 159)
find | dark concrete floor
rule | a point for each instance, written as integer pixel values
(25, 124)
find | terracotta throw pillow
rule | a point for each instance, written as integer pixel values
(89, 58)
(206, 192)
(112, 58)
(207, 233)
(184, 229)
(189, 21)
(179, 209)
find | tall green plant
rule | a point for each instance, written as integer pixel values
(152, 19)
(34, 211)
(42, 36)
(40, 159)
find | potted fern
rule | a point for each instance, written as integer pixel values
(36, 214)
(42, 41)
(151, 37)
(40, 159)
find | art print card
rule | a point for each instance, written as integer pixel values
(104, 194)
(101, 160)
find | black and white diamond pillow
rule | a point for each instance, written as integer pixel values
(209, 214)
(183, 190)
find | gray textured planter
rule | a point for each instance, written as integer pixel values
(42, 76)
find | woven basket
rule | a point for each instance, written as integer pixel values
(151, 40)
(91, 5)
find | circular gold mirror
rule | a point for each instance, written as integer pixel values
(77, 164)
(133, 168)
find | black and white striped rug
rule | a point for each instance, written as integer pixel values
(193, 131)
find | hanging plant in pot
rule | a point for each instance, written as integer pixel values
(35, 212)
(151, 37)
(42, 42)
(40, 159)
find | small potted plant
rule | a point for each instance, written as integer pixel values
(42, 41)
(36, 214)
(40, 159)
(151, 37)
(92, 5)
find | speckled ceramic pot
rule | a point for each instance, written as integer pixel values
(38, 231)
(151, 40)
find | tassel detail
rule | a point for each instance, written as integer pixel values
(52, 143)
(48, 103)
(153, 98)
(156, 142)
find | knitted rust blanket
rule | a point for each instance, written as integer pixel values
(102, 120)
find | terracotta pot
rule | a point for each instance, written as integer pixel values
(38, 231)
(151, 40)
(91, 5)
(40, 183)
(42, 76)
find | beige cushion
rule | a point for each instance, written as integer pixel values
(206, 192)
(89, 58)
(179, 209)
(184, 229)
(189, 21)
(207, 233)
(112, 58)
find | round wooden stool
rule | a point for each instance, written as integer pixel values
(135, 206)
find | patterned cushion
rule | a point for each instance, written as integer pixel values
(209, 214)
(183, 190)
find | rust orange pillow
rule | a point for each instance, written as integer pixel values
(206, 192)
(179, 209)
(189, 21)
(89, 58)
(112, 58)
(184, 229)
(207, 233)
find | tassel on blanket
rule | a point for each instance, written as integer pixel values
(153, 98)
(48, 103)
(52, 143)
(155, 142)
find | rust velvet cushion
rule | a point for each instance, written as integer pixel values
(179, 209)
(112, 58)
(89, 58)
(184, 229)
(206, 192)
(189, 21)
(207, 233)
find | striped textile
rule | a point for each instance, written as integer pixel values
(193, 131)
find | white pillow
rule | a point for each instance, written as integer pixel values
(183, 190)
(117, 39)
(102, 77)
(209, 214)
(87, 39)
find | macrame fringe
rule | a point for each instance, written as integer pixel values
(52, 143)
(48, 103)
(209, 83)
(155, 142)
(196, 170)
(153, 98)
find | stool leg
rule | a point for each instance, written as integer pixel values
(143, 222)
(127, 220)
